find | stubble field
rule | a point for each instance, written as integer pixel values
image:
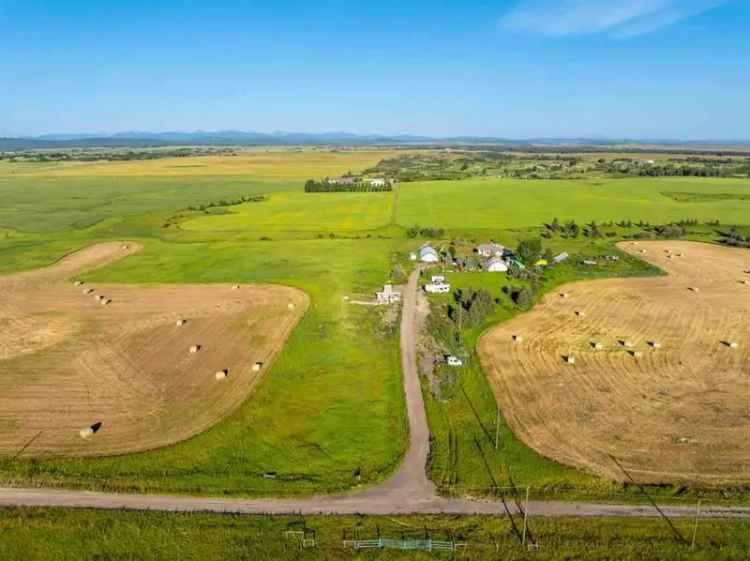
(666, 394)
(69, 362)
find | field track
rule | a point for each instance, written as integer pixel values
(407, 492)
(666, 394)
(67, 361)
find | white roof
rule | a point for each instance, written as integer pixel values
(425, 249)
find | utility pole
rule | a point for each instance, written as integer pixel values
(525, 516)
(695, 526)
(497, 429)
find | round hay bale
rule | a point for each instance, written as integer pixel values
(236, 287)
(180, 322)
(99, 297)
(597, 346)
(580, 313)
(655, 345)
(88, 290)
(746, 282)
(636, 354)
(290, 306)
(195, 348)
(257, 366)
(105, 301)
(734, 345)
(643, 251)
(125, 247)
(570, 359)
(694, 289)
(222, 374)
(564, 295)
(86, 433)
(78, 283)
(627, 344)
(518, 338)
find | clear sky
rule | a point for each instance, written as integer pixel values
(515, 68)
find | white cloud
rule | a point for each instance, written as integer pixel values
(620, 18)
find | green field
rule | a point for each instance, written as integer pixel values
(330, 413)
(284, 212)
(512, 203)
(82, 535)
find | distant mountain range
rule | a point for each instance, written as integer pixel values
(142, 139)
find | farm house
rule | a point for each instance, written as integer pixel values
(490, 250)
(497, 265)
(428, 254)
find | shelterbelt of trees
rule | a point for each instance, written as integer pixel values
(312, 186)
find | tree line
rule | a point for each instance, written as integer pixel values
(312, 186)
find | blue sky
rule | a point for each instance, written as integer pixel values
(516, 68)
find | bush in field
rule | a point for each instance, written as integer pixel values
(471, 307)
(427, 232)
(528, 251)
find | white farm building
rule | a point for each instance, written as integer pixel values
(497, 265)
(490, 250)
(388, 295)
(428, 254)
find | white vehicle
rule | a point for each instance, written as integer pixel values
(437, 288)
(438, 279)
(454, 361)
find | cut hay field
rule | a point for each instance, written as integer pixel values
(68, 362)
(509, 203)
(666, 395)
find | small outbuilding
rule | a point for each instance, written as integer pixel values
(388, 295)
(452, 360)
(437, 288)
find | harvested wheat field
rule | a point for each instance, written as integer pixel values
(661, 372)
(108, 369)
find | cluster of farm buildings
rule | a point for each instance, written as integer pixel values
(357, 180)
(493, 258)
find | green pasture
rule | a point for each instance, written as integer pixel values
(50, 203)
(83, 535)
(512, 203)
